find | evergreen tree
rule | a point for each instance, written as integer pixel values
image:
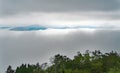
(10, 70)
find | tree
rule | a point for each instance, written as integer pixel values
(59, 62)
(9, 69)
(89, 62)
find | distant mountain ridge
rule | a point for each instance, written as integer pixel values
(24, 28)
(29, 28)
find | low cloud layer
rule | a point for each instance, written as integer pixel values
(63, 19)
(38, 46)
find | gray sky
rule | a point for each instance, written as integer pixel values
(27, 12)
(9, 7)
(18, 47)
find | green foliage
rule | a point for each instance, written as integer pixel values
(9, 70)
(90, 62)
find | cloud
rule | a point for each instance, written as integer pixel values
(38, 46)
(11, 7)
(62, 19)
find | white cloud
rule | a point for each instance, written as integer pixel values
(73, 19)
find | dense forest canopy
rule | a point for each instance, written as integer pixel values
(89, 62)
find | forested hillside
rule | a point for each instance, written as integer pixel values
(89, 62)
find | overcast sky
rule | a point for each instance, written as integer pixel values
(71, 26)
